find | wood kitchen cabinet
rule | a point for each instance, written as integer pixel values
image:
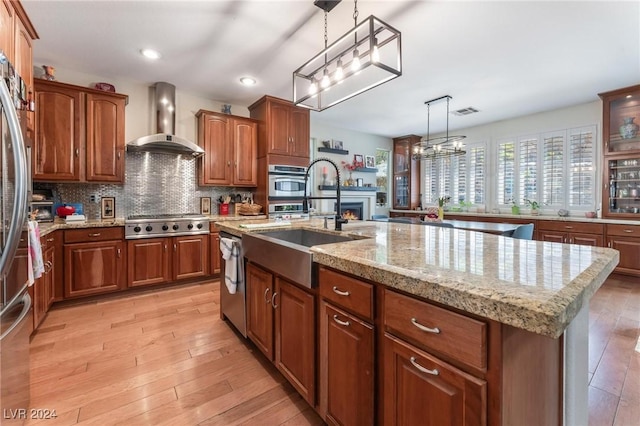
(583, 233)
(43, 293)
(346, 350)
(160, 260)
(406, 174)
(283, 128)
(626, 239)
(94, 261)
(281, 322)
(214, 249)
(230, 145)
(79, 134)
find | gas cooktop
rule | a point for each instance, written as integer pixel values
(165, 225)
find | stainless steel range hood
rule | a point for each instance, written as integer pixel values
(165, 141)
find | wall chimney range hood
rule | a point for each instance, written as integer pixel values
(165, 141)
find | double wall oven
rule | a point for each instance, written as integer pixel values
(286, 191)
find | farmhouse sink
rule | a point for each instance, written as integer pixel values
(286, 252)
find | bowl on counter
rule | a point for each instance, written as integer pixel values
(590, 215)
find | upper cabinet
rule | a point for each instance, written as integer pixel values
(620, 121)
(231, 149)
(406, 174)
(79, 134)
(284, 128)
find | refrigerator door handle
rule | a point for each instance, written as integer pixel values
(26, 299)
(19, 212)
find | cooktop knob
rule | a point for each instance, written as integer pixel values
(148, 228)
(137, 229)
(165, 227)
(175, 227)
(199, 226)
(190, 226)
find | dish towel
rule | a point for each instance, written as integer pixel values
(36, 264)
(233, 270)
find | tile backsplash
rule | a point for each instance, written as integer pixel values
(154, 183)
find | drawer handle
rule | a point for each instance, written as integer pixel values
(266, 297)
(435, 371)
(423, 328)
(50, 240)
(340, 292)
(342, 323)
(629, 231)
(273, 300)
(97, 234)
(568, 227)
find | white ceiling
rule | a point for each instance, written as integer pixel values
(505, 58)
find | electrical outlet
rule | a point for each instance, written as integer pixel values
(93, 199)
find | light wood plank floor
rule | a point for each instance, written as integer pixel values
(165, 358)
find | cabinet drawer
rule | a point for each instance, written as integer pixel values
(93, 234)
(353, 295)
(624, 230)
(564, 226)
(432, 328)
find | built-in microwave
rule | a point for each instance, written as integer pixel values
(286, 181)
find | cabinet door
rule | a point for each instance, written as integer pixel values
(279, 128)
(245, 145)
(346, 368)
(420, 389)
(6, 29)
(299, 132)
(295, 337)
(148, 261)
(93, 268)
(259, 285)
(49, 257)
(56, 152)
(587, 240)
(620, 110)
(629, 254)
(214, 137)
(104, 138)
(190, 256)
(551, 236)
(214, 247)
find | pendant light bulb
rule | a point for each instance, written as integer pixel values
(313, 87)
(355, 64)
(375, 55)
(325, 80)
(339, 75)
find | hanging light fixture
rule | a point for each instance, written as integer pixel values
(446, 146)
(365, 57)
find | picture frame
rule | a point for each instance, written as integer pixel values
(335, 144)
(108, 207)
(358, 160)
(205, 205)
(370, 161)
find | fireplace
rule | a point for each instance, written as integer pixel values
(350, 210)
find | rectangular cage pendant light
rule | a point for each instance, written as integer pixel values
(333, 75)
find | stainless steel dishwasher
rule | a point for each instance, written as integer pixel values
(233, 307)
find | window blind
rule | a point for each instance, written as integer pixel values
(506, 172)
(552, 169)
(477, 166)
(528, 189)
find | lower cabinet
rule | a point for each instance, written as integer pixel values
(626, 239)
(281, 322)
(94, 261)
(214, 249)
(161, 260)
(586, 234)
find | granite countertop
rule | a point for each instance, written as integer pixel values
(533, 285)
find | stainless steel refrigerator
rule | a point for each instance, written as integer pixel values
(16, 315)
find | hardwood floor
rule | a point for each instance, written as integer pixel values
(165, 358)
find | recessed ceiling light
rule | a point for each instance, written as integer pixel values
(150, 53)
(248, 81)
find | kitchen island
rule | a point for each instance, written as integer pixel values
(525, 291)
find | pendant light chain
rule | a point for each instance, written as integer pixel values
(355, 12)
(325, 31)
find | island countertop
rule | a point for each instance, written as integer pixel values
(533, 285)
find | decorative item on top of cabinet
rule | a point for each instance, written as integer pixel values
(406, 174)
(230, 145)
(619, 132)
(79, 134)
(283, 129)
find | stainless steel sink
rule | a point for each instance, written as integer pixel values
(286, 252)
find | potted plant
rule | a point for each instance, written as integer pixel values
(465, 205)
(515, 208)
(534, 205)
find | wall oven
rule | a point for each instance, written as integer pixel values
(287, 211)
(286, 181)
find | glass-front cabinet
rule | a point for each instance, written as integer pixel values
(621, 139)
(406, 174)
(621, 120)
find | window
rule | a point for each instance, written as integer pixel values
(552, 169)
(506, 172)
(581, 167)
(528, 168)
(460, 177)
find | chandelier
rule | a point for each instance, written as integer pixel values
(365, 57)
(446, 146)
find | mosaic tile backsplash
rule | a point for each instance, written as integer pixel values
(155, 183)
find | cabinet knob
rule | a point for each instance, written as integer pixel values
(50, 240)
(228, 163)
(118, 155)
(77, 152)
(414, 362)
(119, 252)
(609, 244)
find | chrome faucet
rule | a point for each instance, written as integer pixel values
(305, 200)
